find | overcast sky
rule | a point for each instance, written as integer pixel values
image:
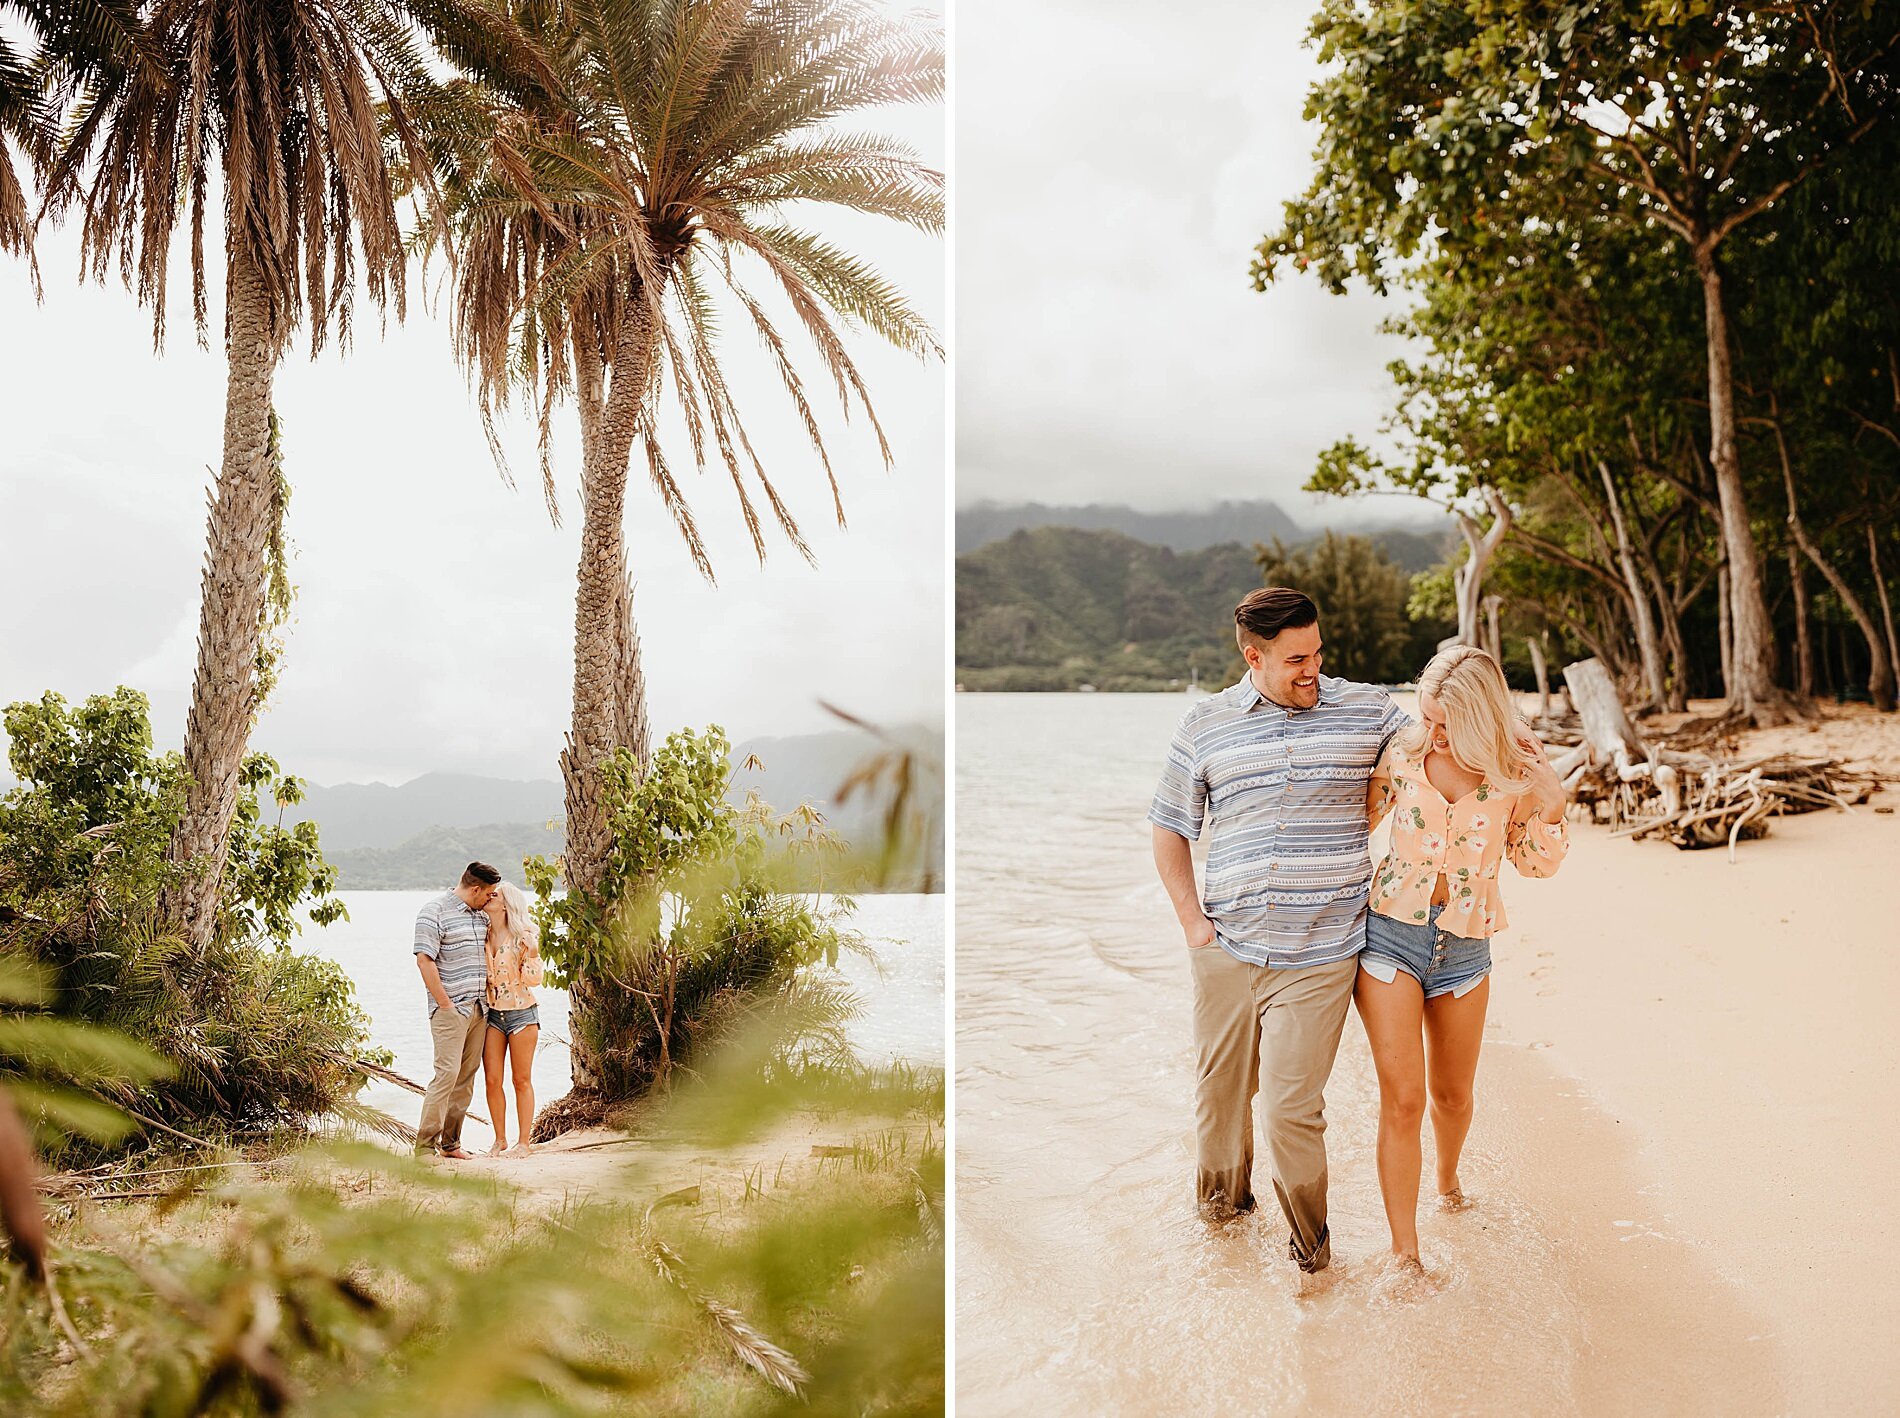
(434, 614)
(1117, 163)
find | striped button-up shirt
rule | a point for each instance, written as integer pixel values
(455, 936)
(1283, 796)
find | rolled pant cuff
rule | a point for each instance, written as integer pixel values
(1320, 1257)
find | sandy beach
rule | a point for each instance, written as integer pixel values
(1739, 1032)
(1682, 1156)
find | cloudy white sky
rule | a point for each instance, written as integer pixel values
(434, 617)
(1117, 161)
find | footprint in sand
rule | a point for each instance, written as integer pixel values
(1541, 971)
(1542, 993)
(1540, 1044)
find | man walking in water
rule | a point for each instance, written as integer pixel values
(451, 950)
(1275, 767)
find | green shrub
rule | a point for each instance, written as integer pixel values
(253, 1035)
(693, 932)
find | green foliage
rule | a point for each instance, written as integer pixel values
(1052, 608)
(1363, 600)
(343, 1280)
(693, 932)
(253, 1036)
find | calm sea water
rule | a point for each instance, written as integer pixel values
(903, 993)
(1085, 1284)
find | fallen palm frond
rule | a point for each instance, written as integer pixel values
(389, 1075)
(375, 1120)
(751, 1347)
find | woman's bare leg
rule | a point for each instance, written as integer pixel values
(1391, 1014)
(1454, 1032)
(521, 1065)
(494, 1060)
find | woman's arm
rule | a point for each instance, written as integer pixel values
(1379, 793)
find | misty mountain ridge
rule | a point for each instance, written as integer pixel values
(1195, 529)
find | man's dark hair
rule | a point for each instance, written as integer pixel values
(1263, 614)
(480, 874)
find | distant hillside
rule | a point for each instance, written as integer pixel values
(421, 833)
(1242, 522)
(1058, 607)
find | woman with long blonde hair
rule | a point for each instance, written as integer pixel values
(1466, 787)
(514, 1018)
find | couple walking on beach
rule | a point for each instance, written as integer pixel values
(1288, 771)
(479, 953)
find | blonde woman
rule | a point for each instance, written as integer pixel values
(1466, 787)
(514, 1019)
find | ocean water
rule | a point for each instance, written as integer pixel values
(902, 992)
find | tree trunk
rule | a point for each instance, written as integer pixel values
(1541, 669)
(1886, 606)
(1724, 632)
(231, 604)
(1880, 686)
(609, 710)
(1752, 691)
(1493, 639)
(1646, 642)
(1468, 580)
(1803, 640)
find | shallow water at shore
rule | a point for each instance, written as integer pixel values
(902, 1016)
(1085, 1284)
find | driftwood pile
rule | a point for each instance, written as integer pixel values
(1686, 797)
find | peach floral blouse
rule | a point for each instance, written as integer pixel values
(1465, 841)
(514, 968)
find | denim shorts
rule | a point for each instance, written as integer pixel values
(511, 1021)
(1442, 963)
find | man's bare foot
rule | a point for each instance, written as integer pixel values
(456, 1153)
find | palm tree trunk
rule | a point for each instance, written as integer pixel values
(231, 606)
(1751, 685)
(609, 691)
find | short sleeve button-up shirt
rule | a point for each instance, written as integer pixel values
(455, 936)
(1282, 796)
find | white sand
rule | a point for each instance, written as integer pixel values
(1736, 1022)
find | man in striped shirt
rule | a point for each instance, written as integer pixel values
(451, 950)
(1275, 768)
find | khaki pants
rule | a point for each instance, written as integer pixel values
(1274, 1032)
(458, 1054)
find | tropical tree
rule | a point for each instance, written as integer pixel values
(259, 119)
(612, 192)
(69, 39)
(1694, 120)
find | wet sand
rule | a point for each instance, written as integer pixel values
(1681, 1159)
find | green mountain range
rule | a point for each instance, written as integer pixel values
(420, 834)
(1057, 608)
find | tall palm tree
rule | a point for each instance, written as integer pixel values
(268, 108)
(606, 216)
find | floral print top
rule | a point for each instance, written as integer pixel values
(1465, 842)
(514, 968)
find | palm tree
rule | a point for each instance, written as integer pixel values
(270, 109)
(71, 40)
(604, 216)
